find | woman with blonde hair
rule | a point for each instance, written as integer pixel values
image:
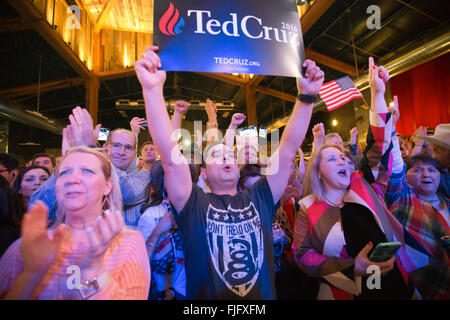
(88, 253)
(342, 218)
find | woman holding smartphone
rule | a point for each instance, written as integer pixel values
(343, 218)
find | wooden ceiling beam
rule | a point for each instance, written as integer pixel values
(29, 13)
(225, 78)
(82, 6)
(252, 117)
(331, 62)
(115, 74)
(45, 87)
(276, 93)
(104, 15)
(256, 80)
(15, 24)
(314, 13)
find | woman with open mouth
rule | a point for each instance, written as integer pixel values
(343, 217)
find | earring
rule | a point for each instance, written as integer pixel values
(106, 201)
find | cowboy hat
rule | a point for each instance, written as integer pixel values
(441, 136)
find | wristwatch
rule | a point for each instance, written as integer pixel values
(90, 287)
(212, 124)
(306, 98)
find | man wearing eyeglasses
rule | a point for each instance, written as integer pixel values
(134, 184)
(121, 150)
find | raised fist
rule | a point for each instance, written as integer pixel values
(313, 81)
(147, 69)
(318, 131)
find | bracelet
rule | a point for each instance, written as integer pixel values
(306, 98)
(212, 124)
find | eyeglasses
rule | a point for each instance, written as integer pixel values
(117, 147)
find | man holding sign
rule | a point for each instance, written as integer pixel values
(227, 236)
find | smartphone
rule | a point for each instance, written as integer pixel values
(384, 251)
(263, 132)
(103, 134)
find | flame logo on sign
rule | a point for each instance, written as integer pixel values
(170, 23)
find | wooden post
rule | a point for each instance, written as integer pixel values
(97, 65)
(92, 87)
(251, 106)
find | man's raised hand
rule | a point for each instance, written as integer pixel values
(311, 84)
(136, 125)
(81, 125)
(211, 110)
(147, 69)
(318, 131)
(238, 119)
(181, 106)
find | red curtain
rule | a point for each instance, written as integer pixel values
(423, 95)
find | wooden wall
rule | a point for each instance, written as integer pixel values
(114, 43)
(78, 34)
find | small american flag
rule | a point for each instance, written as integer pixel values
(338, 92)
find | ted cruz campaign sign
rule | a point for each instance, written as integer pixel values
(232, 36)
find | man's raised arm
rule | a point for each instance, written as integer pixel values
(295, 131)
(177, 175)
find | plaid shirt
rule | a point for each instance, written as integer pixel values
(419, 217)
(134, 186)
(426, 226)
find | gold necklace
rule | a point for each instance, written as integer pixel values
(333, 203)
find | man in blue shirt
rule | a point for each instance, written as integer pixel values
(121, 150)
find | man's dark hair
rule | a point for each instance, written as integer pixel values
(43, 155)
(247, 171)
(424, 158)
(9, 161)
(146, 143)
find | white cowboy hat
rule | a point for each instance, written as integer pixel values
(441, 136)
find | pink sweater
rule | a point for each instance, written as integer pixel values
(126, 261)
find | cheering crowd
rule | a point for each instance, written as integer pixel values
(216, 221)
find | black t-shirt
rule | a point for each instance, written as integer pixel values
(227, 243)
